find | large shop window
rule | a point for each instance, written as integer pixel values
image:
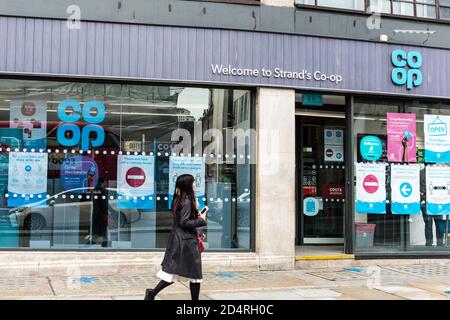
(90, 165)
(402, 175)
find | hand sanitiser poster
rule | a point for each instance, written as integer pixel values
(194, 166)
(27, 178)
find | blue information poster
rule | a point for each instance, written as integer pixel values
(79, 174)
(405, 186)
(135, 182)
(27, 178)
(438, 189)
(437, 138)
(188, 165)
(371, 188)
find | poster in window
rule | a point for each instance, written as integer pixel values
(405, 186)
(370, 188)
(437, 138)
(194, 166)
(371, 148)
(78, 174)
(31, 117)
(401, 131)
(438, 190)
(27, 178)
(333, 145)
(136, 182)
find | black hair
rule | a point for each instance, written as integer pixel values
(184, 190)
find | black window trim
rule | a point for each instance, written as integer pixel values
(246, 2)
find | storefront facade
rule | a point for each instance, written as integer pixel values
(291, 139)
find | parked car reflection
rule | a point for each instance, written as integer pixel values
(42, 215)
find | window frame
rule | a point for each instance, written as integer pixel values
(437, 5)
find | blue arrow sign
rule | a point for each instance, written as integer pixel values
(405, 189)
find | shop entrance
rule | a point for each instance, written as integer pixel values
(321, 174)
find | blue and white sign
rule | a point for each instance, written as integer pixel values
(371, 148)
(194, 166)
(370, 188)
(31, 118)
(437, 138)
(333, 145)
(27, 178)
(405, 186)
(136, 182)
(438, 189)
(311, 206)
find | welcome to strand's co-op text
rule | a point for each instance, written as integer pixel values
(275, 73)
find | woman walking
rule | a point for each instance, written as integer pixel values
(182, 260)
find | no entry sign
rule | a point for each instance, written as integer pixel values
(371, 183)
(371, 188)
(135, 182)
(135, 177)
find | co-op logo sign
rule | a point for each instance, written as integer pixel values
(407, 68)
(72, 113)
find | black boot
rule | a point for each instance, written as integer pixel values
(149, 294)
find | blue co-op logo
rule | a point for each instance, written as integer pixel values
(91, 135)
(407, 68)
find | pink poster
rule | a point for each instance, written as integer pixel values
(401, 131)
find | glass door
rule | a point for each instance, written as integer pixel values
(321, 174)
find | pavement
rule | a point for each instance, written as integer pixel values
(384, 282)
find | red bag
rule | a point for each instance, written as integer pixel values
(201, 245)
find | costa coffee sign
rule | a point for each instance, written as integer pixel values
(334, 191)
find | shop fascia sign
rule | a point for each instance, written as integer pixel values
(406, 69)
(276, 73)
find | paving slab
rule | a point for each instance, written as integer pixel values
(365, 293)
(411, 293)
(15, 287)
(433, 286)
(181, 296)
(275, 295)
(65, 298)
(250, 280)
(114, 285)
(135, 297)
(231, 296)
(318, 293)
